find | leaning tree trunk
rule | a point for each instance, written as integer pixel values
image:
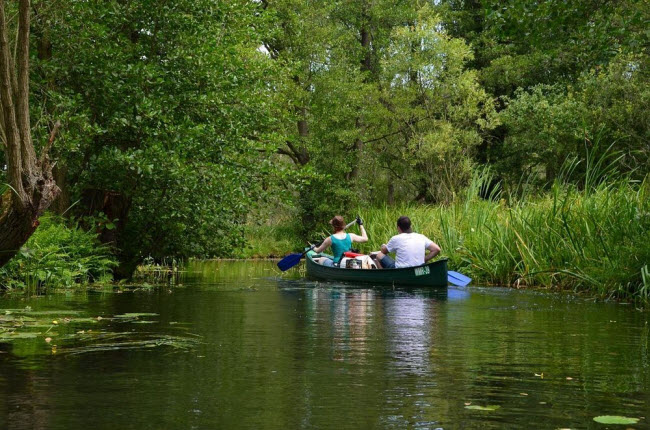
(31, 185)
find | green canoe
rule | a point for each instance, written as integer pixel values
(428, 275)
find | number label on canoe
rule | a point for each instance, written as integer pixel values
(420, 271)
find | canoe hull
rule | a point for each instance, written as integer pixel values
(433, 275)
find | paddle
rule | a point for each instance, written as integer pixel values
(458, 279)
(292, 259)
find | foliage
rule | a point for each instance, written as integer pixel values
(547, 124)
(58, 255)
(170, 106)
(437, 106)
(595, 241)
(398, 116)
(219, 121)
(151, 272)
(521, 44)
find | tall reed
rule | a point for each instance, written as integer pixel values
(596, 238)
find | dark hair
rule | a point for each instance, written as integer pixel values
(338, 223)
(404, 223)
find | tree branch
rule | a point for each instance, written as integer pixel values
(401, 130)
(290, 154)
(46, 151)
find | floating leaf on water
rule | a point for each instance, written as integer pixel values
(85, 320)
(144, 322)
(615, 419)
(136, 315)
(483, 408)
(13, 335)
(43, 313)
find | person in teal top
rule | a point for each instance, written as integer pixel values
(340, 241)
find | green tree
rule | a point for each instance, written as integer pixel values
(169, 110)
(605, 109)
(434, 112)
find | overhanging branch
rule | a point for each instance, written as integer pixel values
(46, 150)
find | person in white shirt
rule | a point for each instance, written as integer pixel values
(408, 247)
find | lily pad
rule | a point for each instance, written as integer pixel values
(483, 408)
(615, 419)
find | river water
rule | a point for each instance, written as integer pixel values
(238, 346)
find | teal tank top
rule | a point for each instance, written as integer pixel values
(339, 246)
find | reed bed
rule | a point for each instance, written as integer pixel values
(594, 239)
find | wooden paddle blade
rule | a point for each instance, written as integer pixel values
(289, 261)
(458, 279)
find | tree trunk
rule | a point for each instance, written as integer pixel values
(18, 224)
(365, 68)
(62, 203)
(32, 187)
(391, 193)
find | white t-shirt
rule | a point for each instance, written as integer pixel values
(408, 248)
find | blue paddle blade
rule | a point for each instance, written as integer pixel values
(289, 261)
(458, 279)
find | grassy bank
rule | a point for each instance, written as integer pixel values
(595, 240)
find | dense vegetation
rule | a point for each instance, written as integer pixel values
(59, 254)
(208, 127)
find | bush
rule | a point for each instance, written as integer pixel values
(58, 255)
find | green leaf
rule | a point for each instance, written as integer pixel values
(615, 419)
(483, 408)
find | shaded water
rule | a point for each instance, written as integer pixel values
(277, 353)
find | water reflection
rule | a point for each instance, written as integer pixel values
(278, 352)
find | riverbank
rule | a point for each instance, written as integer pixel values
(595, 241)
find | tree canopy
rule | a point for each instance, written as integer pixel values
(185, 120)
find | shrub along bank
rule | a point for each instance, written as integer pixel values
(58, 255)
